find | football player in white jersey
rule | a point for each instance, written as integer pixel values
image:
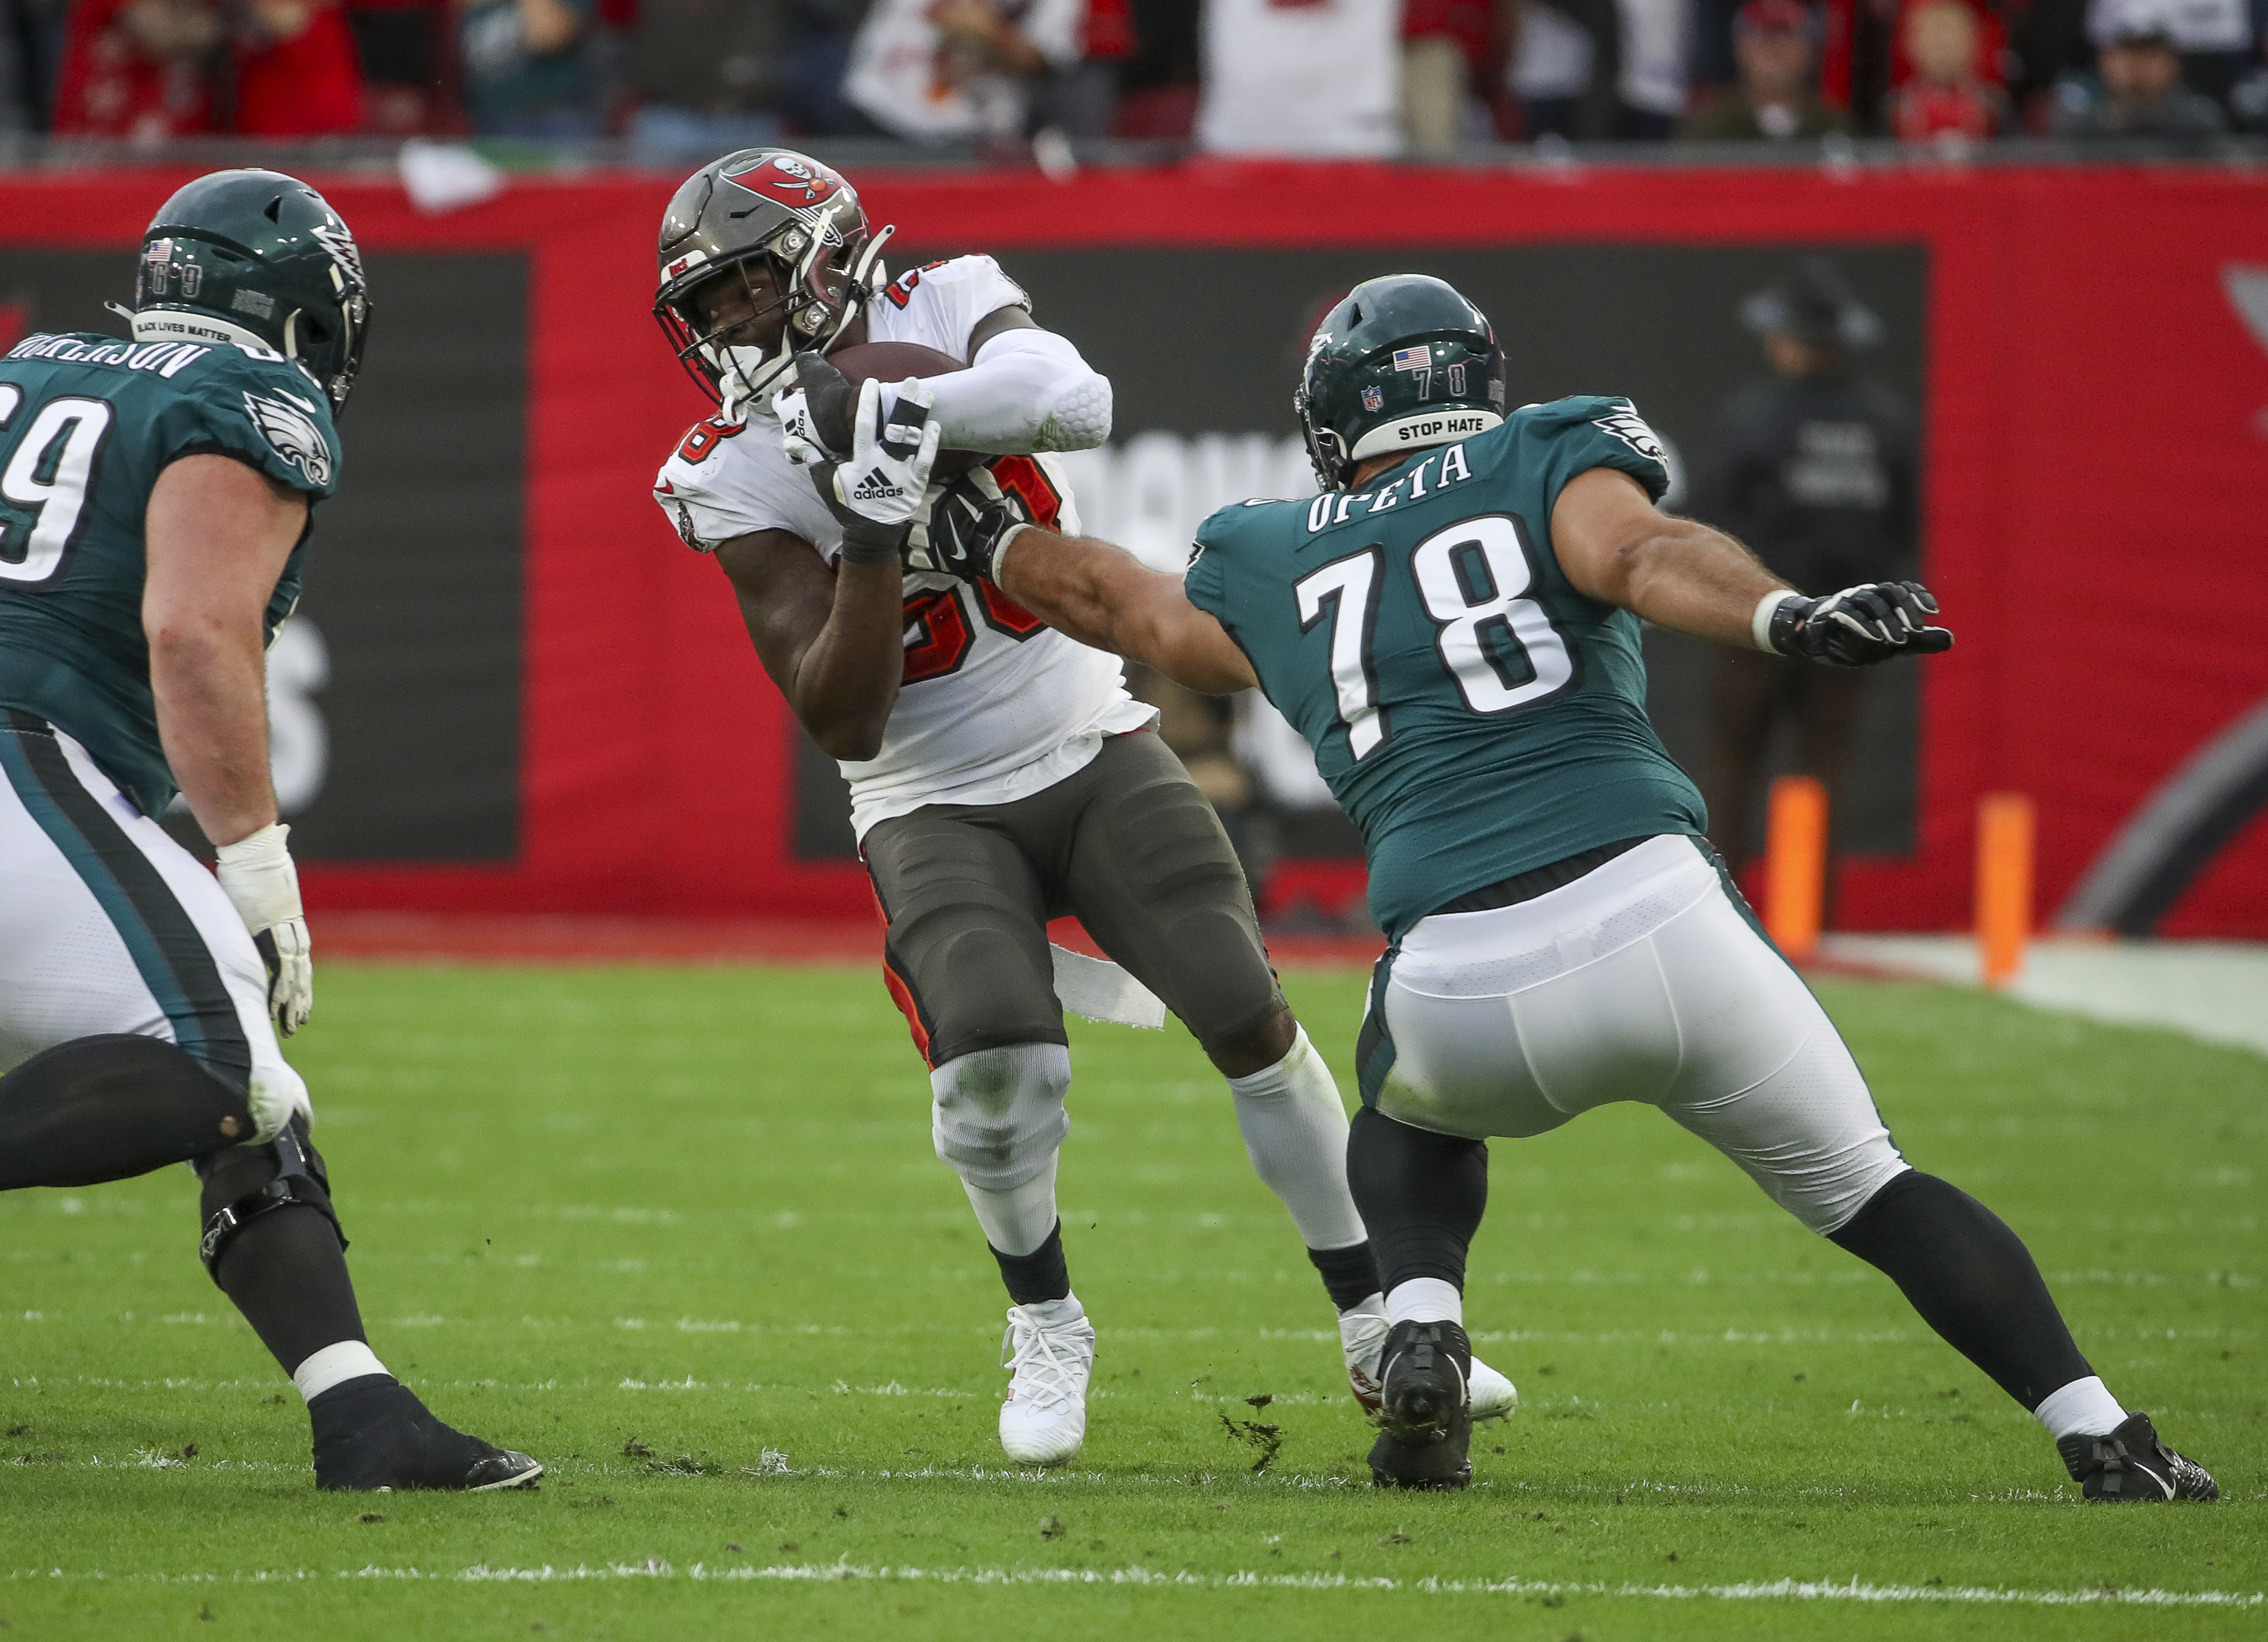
(1000, 774)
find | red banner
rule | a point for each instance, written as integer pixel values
(2096, 462)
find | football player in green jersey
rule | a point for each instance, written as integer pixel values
(156, 498)
(1453, 624)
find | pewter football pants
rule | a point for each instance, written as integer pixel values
(1641, 981)
(107, 925)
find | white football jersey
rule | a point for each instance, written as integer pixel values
(993, 705)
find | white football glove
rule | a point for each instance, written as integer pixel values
(880, 487)
(263, 885)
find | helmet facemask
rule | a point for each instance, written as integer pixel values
(1327, 452)
(818, 298)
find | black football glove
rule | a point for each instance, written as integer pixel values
(1859, 626)
(878, 490)
(830, 405)
(967, 528)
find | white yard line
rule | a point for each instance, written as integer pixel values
(2217, 990)
(844, 1572)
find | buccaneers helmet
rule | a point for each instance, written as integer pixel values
(257, 259)
(786, 209)
(1390, 358)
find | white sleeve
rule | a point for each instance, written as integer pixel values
(723, 487)
(1027, 391)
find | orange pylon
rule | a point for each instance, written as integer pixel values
(1796, 865)
(2004, 884)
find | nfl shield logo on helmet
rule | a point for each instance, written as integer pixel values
(1419, 358)
(1372, 400)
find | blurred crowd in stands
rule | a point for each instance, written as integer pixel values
(686, 79)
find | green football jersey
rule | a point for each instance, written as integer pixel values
(87, 423)
(1474, 715)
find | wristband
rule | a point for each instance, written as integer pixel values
(1760, 623)
(1000, 552)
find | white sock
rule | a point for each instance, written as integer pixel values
(1017, 1221)
(1425, 1299)
(2085, 1408)
(1054, 1314)
(335, 1365)
(1295, 1132)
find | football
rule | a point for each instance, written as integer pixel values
(892, 363)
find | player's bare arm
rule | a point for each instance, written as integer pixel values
(218, 535)
(1679, 573)
(1104, 596)
(832, 637)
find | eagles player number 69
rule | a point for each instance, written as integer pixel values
(47, 477)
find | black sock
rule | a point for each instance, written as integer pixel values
(286, 1269)
(1350, 1274)
(1972, 1280)
(1421, 1195)
(110, 1107)
(1038, 1277)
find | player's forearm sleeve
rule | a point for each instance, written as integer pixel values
(1028, 391)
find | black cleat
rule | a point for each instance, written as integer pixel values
(373, 1432)
(2131, 1465)
(1425, 1416)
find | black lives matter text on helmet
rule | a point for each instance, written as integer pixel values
(1398, 363)
(257, 260)
(791, 211)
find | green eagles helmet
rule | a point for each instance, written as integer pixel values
(1400, 363)
(259, 259)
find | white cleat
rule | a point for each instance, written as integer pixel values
(1362, 1336)
(1043, 1422)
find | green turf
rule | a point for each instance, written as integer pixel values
(679, 1233)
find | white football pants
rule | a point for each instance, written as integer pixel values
(109, 925)
(1640, 981)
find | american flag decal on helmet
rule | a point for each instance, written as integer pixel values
(1419, 358)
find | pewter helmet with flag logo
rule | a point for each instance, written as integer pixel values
(796, 219)
(258, 258)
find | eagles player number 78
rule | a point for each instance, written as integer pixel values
(1453, 625)
(1499, 647)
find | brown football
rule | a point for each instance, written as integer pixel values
(892, 363)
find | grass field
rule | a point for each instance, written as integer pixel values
(678, 1234)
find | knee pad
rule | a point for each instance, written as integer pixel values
(244, 1182)
(998, 1115)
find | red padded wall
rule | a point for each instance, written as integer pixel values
(2097, 490)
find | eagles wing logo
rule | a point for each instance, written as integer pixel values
(1628, 426)
(795, 183)
(343, 248)
(288, 426)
